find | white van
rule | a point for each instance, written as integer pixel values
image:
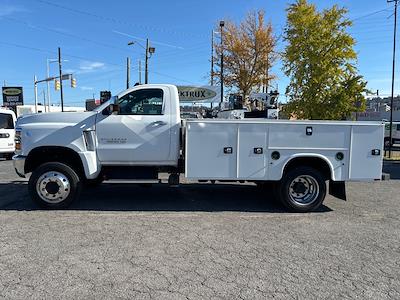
(7, 133)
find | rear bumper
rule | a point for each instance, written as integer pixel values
(7, 150)
(19, 165)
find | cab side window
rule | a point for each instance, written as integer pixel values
(142, 102)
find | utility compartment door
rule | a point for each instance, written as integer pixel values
(252, 159)
(363, 164)
(211, 150)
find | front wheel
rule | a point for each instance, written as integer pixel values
(54, 185)
(302, 189)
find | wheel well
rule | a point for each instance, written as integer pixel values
(41, 155)
(314, 162)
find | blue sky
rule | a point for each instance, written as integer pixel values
(93, 36)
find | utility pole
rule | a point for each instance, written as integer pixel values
(267, 75)
(35, 92)
(61, 81)
(44, 100)
(48, 84)
(146, 71)
(221, 25)
(393, 72)
(212, 58)
(149, 52)
(128, 72)
(140, 71)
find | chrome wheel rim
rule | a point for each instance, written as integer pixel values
(53, 187)
(304, 190)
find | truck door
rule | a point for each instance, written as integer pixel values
(141, 131)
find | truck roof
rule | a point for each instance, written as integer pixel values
(6, 111)
(153, 85)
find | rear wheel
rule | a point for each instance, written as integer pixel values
(302, 189)
(54, 185)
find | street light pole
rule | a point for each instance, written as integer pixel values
(50, 61)
(212, 58)
(61, 84)
(48, 86)
(140, 71)
(36, 93)
(148, 53)
(146, 71)
(128, 72)
(221, 25)
(393, 72)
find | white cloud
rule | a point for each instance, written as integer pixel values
(69, 71)
(86, 88)
(7, 9)
(91, 66)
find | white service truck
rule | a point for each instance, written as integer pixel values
(139, 133)
(7, 130)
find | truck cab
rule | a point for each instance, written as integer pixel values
(7, 132)
(144, 130)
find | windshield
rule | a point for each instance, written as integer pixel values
(6, 121)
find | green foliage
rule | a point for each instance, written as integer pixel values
(320, 60)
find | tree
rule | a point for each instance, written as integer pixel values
(248, 53)
(320, 60)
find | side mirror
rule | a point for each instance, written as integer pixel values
(111, 110)
(114, 108)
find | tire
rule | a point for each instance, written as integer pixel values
(54, 185)
(302, 189)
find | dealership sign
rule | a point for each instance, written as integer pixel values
(13, 96)
(199, 94)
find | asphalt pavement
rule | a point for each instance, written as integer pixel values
(199, 241)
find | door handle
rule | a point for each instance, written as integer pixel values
(159, 123)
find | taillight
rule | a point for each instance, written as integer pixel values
(17, 140)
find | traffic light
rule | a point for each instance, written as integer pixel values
(73, 82)
(57, 85)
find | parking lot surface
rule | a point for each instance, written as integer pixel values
(199, 241)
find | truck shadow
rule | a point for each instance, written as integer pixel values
(128, 197)
(392, 168)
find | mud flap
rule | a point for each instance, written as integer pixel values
(337, 189)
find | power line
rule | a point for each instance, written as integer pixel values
(370, 14)
(117, 21)
(63, 33)
(83, 58)
(55, 53)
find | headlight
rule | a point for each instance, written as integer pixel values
(17, 139)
